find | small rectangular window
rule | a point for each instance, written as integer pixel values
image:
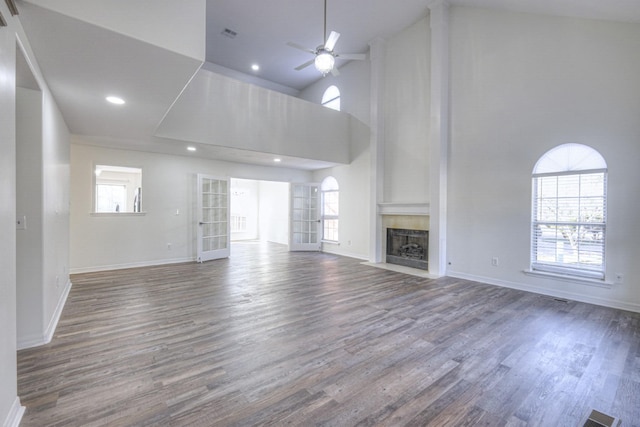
(117, 189)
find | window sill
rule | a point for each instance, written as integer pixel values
(567, 278)
(331, 242)
(114, 214)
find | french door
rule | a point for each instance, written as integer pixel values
(304, 228)
(213, 218)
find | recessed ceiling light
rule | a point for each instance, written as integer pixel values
(277, 160)
(255, 67)
(115, 100)
(190, 148)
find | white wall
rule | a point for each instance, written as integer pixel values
(29, 202)
(407, 115)
(55, 213)
(100, 242)
(54, 166)
(248, 117)
(9, 403)
(43, 198)
(522, 84)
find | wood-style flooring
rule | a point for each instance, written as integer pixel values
(269, 337)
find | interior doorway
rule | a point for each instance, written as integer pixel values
(259, 211)
(30, 328)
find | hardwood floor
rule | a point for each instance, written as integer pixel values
(268, 337)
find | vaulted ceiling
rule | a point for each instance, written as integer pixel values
(264, 27)
(83, 59)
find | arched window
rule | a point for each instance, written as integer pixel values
(569, 211)
(330, 208)
(331, 98)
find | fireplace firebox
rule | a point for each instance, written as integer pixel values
(408, 248)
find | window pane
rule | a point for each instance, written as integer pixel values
(111, 198)
(548, 210)
(330, 231)
(568, 209)
(331, 205)
(592, 185)
(331, 98)
(548, 187)
(591, 210)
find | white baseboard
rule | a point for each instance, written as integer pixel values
(15, 414)
(47, 336)
(328, 250)
(53, 322)
(97, 268)
(622, 305)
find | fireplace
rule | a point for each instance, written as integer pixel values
(408, 247)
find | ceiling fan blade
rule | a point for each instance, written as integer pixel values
(297, 46)
(357, 56)
(305, 65)
(335, 72)
(331, 40)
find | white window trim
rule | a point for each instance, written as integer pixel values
(117, 214)
(93, 212)
(559, 271)
(601, 283)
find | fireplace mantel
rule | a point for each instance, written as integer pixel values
(394, 208)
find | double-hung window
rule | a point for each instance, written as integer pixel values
(330, 208)
(569, 212)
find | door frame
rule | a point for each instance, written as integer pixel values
(308, 223)
(203, 255)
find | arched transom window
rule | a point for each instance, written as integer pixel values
(331, 98)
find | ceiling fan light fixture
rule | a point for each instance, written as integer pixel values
(324, 61)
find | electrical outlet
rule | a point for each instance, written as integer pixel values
(494, 261)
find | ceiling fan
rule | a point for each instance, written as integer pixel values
(325, 57)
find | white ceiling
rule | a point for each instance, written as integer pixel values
(81, 61)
